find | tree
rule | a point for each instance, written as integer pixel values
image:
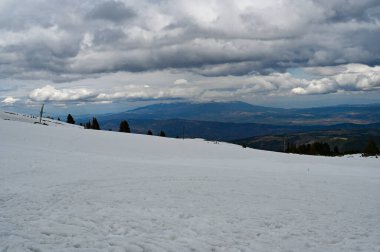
(95, 124)
(336, 151)
(150, 133)
(124, 127)
(316, 148)
(162, 134)
(371, 149)
(70, 119)
(87, 125)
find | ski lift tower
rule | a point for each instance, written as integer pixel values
(41, 112)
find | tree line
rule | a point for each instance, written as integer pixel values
(316, 148)
(94, 124)
(323, 149)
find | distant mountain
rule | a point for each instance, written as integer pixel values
(238, 120)
(201, 129)
(240, 112)
(220, 131)
(212, 111)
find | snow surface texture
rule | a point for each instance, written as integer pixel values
(70, 189)
(11, 116)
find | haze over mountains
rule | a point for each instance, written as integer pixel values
(240, 112)
(237, 120)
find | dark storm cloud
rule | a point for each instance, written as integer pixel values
(346, 10)
(114, 11)
(69, 40)
(108, 36)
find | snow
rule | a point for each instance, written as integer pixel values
(11, 116)
(64, 188)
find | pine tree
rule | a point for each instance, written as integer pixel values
(87, 125)
(316, 148)
(371, 149)
(336, 151)
(150, 133)
(287, 147)
(162, 134)
(70, 119)
(124, 127)
(95, 124)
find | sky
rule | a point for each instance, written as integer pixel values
(105, 55)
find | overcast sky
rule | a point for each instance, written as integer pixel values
(112, 55)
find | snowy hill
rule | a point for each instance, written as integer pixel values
(70, 189)
(11, 116)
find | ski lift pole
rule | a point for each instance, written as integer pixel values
(41, 112)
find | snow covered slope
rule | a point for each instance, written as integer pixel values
(70, 189)
(11, 116)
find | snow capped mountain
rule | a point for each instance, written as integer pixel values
(63, 188)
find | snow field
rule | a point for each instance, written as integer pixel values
(70, 189)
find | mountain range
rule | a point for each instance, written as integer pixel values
(248, 124)
(240, 112)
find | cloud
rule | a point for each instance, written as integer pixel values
(104, 51)
(180, 82)
(9, 100)
(114, 11)
(50, 93)
(323, 86)
(352, 77)
(70, 40)
(326, 80)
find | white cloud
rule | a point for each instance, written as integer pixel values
(180, 82)
(50, 93)
(345, 78)
(349, 78)
(323, 86)
(9, 100)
